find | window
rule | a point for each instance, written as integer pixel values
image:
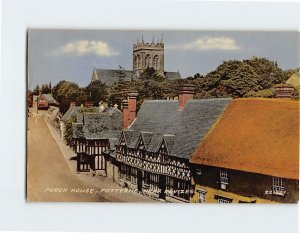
(156, 62)
(147, 60)
(221, 199)
(223, 179)
(278, 186)
(223, 176)
(201, 196)
(139, 61)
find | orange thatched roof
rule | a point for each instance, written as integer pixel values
(255, 135)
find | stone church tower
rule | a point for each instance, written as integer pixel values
(148, 55)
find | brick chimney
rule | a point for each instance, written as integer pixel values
(284, 91)
(185, 93)
(129, 109)
(125, 114)
(72, 104)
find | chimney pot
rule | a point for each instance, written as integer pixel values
(185, 93)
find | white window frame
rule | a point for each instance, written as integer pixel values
(278, 186)
(201, 196)
(223, 201)
(224, 176)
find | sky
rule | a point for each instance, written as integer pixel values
(55, 55)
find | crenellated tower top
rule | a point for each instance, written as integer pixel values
(146, 54)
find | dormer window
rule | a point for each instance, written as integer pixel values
(278, 186)
(223, 179)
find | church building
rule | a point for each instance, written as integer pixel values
(144, 55)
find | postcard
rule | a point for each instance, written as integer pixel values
(161, 116)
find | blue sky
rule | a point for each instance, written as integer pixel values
(55, 55)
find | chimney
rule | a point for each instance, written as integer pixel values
(284, 91)
(129, 109)
(72, 104)
(125, 114)
(185, 93)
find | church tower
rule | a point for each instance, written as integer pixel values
(148, 55)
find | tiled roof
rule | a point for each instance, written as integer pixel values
(109, 76)
(172, 75)
(72, 111)
(147, 136)
(255, 135)
(189, 126)
(103, 125)
(48, 97)
(169, 140)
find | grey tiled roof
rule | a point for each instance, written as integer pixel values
(147, 136)
(169, 140)
(113, 142)
(72, 111)
(128, 136)
(102, 125)
(48, 97)
(172, 75)
(109, 77)
(164, 119)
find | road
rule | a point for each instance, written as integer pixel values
(47, 168)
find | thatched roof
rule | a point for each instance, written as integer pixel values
(255, 135)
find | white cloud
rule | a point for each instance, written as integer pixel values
(85, 47)
(209, 43)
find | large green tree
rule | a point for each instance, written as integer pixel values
(96, 92)
(238, 78)
(65, 92)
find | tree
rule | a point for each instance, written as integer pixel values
(235, 78)
(69, 130)
(65, 92)
(36, 90)
(150, 74)
(96, 92)
(266, 93)
(46, 89)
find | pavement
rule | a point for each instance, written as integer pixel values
(51, 171)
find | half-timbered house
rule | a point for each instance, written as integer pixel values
(94, 133)
(152, 154)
